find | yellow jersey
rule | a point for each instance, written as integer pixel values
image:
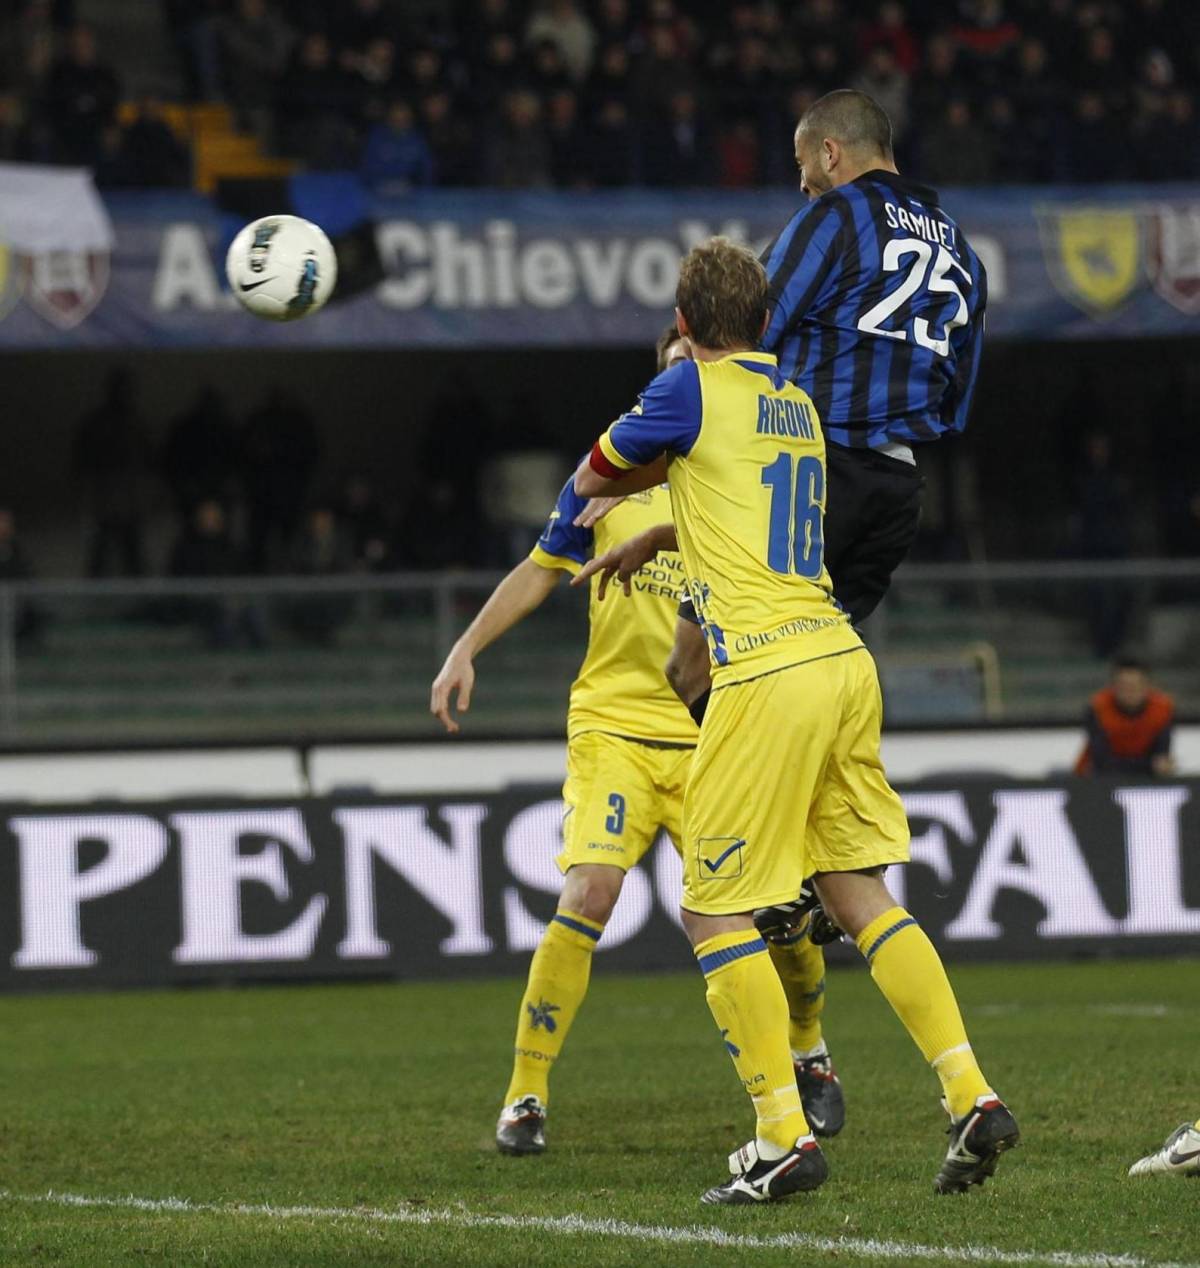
(747, 480)
(621, 688)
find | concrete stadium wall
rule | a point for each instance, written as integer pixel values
(444, 767)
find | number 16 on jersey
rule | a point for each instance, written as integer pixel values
(794, 537)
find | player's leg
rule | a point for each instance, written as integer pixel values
(741, 853)
(609, 825)
(800, 964)
(873, 512)
(1179, 1155)
(688, 670)
(857, 828)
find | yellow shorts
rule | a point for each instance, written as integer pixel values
(618, 794)
(787, 781)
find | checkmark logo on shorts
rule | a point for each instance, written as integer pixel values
(714, 855)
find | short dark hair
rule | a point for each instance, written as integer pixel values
(669, 336)
(722, 294)
(1125, 662)
(851, 117)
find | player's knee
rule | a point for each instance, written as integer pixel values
(592, 890)
(853, 899)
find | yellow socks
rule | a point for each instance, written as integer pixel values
(909, 972)
(751, 1011)
(558, 981)
(801, 969)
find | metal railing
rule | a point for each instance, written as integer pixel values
(112, 662)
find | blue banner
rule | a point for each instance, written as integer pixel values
(474, 269)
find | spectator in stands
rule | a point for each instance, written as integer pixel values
(562, 24)
(957, 151)
(145, 154)
(890, 29)
(397, 156)
(615, 25)
(16, 142)
(321, 550)
(254, 44)
(1128, 726)
(547, 72)
(279, 457)
(451, 140)
(519, 154)
(200, 454)
(883, 80)
(497, 71)
(663, 72)
(611, 79)
(365, 524)
(205, 550)
(1090, 147)
(941, 80)
(81, 98)
(314, 103)
(1104, 531)
(568, 157)
(15, 566)
(739, 156)
(354, 24)
(611, 159)
(677, 146)
(112, 458)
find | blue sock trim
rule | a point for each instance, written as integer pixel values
(578, 926)
(727, 955)
(886, 934)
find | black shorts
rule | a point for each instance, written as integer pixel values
(872, 513)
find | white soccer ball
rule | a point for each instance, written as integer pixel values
(281, 268)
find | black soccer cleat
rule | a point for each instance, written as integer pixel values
(521, 1128)
(976, 1142)
(820, 1094)
(755, 1179)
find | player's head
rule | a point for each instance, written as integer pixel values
(1130, 683)
(671, 348)
(840, 136)
(721, 299)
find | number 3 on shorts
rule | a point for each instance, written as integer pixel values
(615, 823)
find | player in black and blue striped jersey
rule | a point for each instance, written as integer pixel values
(877, 307)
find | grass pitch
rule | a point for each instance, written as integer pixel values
(353, 1125)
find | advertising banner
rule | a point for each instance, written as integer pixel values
(423, 887)
(477, 269)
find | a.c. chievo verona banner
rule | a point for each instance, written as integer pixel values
(476, 269)
(414, 887)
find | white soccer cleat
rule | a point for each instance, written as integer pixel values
(1179, 1156)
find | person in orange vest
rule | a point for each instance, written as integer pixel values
(1128, 726)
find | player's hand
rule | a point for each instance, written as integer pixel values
(620, 562)
(595, 510)
(457, 677)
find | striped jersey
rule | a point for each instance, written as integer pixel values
(877, 310)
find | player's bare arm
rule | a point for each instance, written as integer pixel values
(524, 589)
(624, 560)
(589, 483)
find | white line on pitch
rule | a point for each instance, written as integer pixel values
(689, 1235)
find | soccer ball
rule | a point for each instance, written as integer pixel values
(281, 268)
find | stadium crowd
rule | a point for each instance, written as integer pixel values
(594, 93)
